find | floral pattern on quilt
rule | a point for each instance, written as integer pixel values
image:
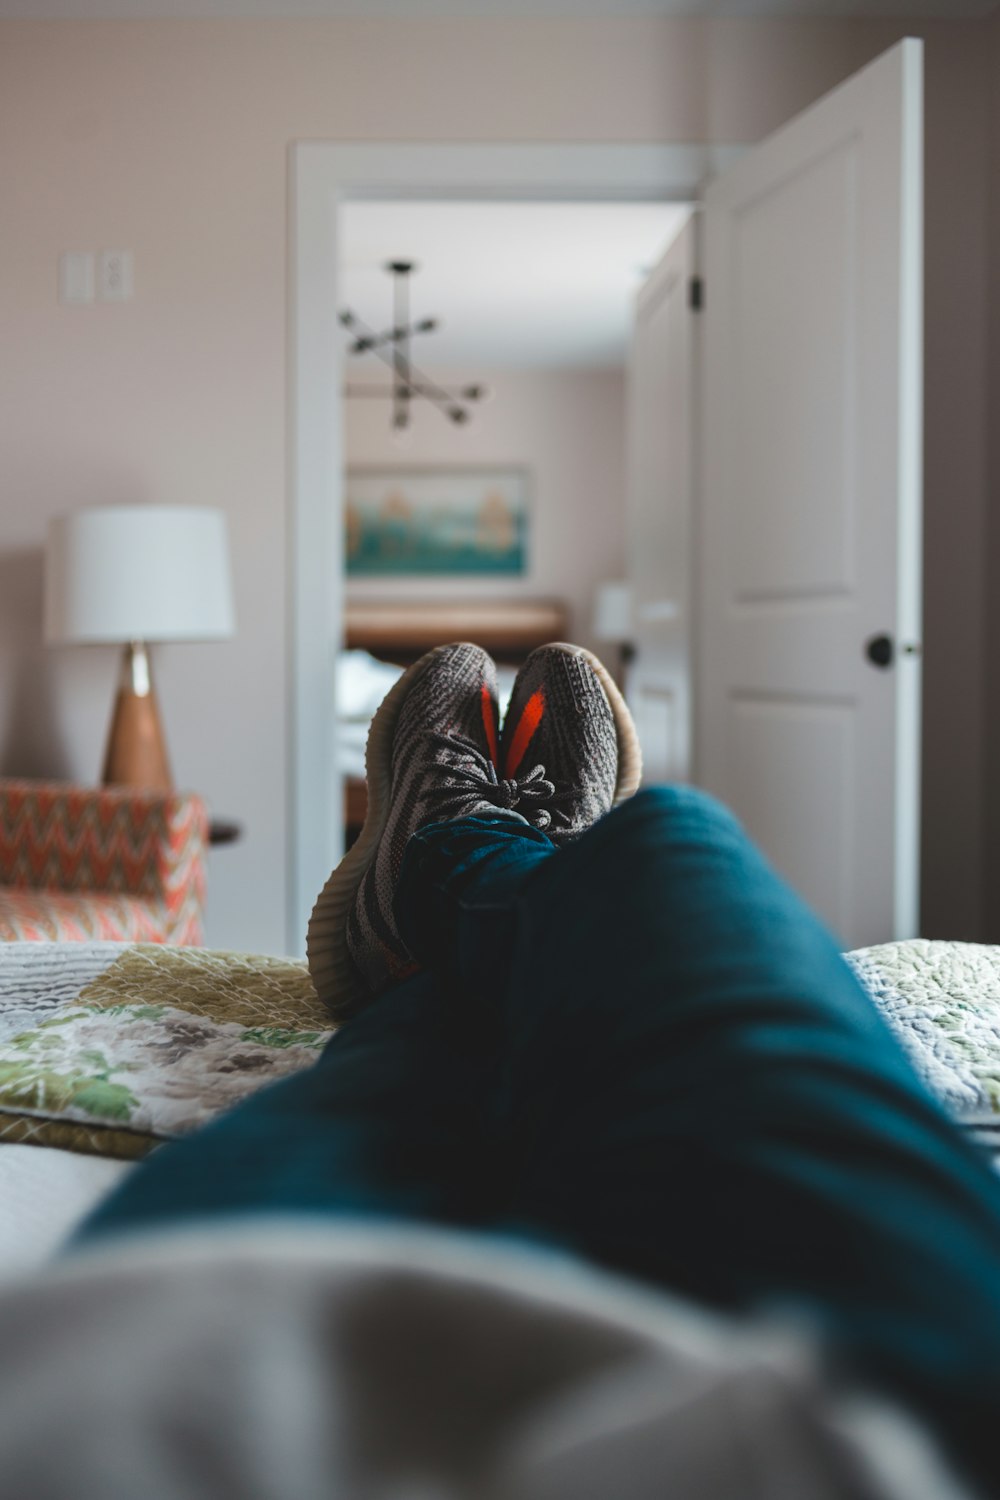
(112, 1049)
(158, 1043)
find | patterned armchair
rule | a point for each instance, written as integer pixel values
(114, 863)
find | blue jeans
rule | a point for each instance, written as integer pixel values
(644, 1048)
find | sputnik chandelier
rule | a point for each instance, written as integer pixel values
(393, 348)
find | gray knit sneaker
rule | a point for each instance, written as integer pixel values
(568, 724)
(431, 757)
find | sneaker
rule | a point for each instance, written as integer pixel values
(568, 723)
(431, 757)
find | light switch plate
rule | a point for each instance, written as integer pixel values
(116, 275)
(76, 276)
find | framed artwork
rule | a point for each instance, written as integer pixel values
(405, 522)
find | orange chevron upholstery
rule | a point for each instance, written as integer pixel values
(110, 863)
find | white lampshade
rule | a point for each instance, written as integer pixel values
(613, 612)
(138, 573)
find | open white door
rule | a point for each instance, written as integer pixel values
(810, 510)
(661, 394)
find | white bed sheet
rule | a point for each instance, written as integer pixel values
(44, 1195)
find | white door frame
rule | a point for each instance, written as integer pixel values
(323, 174)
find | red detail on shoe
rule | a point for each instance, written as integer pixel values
(490, 724)
(531, 717)
(399, 968)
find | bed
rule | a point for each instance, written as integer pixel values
(107, 1050)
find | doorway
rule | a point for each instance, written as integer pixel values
(324, 177)
(485, 349)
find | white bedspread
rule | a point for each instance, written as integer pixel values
(44, 1193)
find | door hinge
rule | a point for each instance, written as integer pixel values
(696, 294)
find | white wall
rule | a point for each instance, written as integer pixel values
(171, 139)
(566, 428)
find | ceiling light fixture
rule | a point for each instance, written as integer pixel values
(393, 348)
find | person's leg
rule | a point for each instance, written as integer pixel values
(388, 1124)
(698, 1092)
(459, 903)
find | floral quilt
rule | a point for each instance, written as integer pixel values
(112, 1048)
(943, 1001)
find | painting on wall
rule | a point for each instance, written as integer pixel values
(403, 522)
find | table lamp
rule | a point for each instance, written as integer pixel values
(133, 575)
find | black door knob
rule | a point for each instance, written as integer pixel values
(879, 650)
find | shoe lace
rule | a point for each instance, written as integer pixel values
(533, 792)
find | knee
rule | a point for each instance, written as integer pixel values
(679, 809)
(659, 819)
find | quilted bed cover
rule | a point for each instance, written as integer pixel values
(108, 1049)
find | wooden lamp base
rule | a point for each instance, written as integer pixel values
(136, 753)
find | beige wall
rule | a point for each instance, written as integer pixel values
(171, 139)
(567, 429)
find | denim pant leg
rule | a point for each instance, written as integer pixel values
(696, 1090)
(387, 1125)
(459, 900)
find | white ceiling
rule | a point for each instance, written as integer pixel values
(513, 284)
(147, 9)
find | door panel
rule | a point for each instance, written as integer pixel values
(810, 506)
(795, 294)
(781, 748)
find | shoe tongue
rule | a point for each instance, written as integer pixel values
(525, 728)
(488, 706)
